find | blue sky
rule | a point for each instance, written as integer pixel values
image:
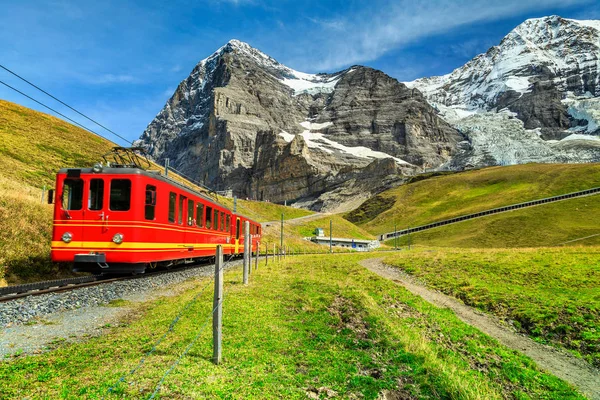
(119, 61)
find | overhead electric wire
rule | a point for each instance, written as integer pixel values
(83, 115)
(52, 109)
(65, 104)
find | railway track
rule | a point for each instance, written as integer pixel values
(14, 292)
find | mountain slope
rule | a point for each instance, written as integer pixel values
(442, 197)
(244, 122)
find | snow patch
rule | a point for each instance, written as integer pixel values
(317, 140)
(579, 136)
(311, 84)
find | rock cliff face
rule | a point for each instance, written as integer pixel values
(244, 122)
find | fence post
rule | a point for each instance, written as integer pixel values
(274, 253)
(247, 251)
(218, 307)
(43, 194)
(256, 256)
(266, 254)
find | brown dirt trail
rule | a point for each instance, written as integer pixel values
(559, 363)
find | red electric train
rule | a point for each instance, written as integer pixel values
(121, 218)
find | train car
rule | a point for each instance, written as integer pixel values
(121, 218)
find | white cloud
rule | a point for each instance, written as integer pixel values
(368, 35)
(110, 78)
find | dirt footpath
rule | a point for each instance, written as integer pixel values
(559, 363)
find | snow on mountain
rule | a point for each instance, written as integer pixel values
(566, 51)
(535, 97)
(317, 140)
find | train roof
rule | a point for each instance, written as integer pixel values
(151, 174)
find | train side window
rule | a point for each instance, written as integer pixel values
(227, 223)
(237, 228)
(222, 221)
(120, 194)
(181, 209)
(216, 220)
(72, 195)
(150, 202)
(96, 194)
(199, 214)
(190, 215)
(172, 203)
(208, 217)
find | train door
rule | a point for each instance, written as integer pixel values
(190, 236)
(96, 210)
(237, 234)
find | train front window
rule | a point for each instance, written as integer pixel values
(72, 195)
(172, 204)
(120, 195)
(96, 194)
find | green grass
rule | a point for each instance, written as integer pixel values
(550, 294)
(544, 225)
(308, 324)
(441, 197)
(263, 212)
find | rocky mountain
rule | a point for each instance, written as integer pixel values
(544, 73)
(243, 121)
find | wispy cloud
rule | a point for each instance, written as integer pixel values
(110, 79)
(368, 35)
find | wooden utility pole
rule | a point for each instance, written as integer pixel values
(218, 307)
(247, 251)
(330, 236)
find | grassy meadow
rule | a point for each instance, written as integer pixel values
(551, 294)
(306, 327)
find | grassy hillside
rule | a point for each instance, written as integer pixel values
(33, 146)
(442, 197)
(549, 294)
(545, 225)
(307, 327)
(264, 212)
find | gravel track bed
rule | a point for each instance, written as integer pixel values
(20, 311)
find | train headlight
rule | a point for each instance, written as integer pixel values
(118, 238)
(67, 237)
(97, 167)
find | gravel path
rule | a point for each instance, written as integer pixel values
(31, 325)
(559, 363)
